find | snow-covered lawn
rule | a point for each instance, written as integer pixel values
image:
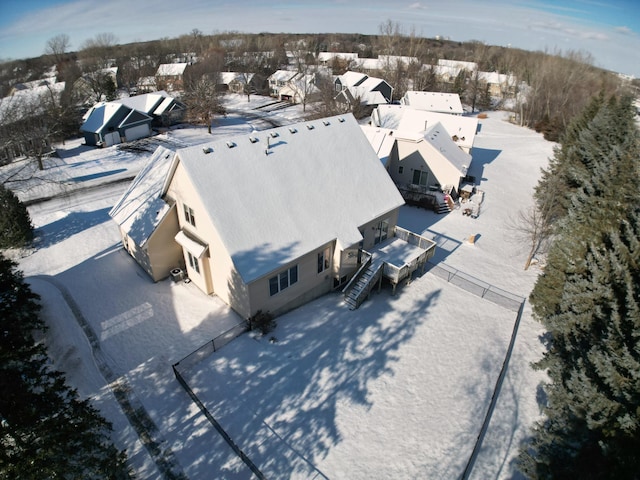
(396, 389)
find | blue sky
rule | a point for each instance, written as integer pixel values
(609, 31)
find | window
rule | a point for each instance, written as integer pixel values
(193, 262)
(420, 177)
(283, 280)
(324, 260)
(188, 215)
(382, 231)
(400, 169)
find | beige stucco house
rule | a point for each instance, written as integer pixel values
(147, 223)
(270, 220)
(462, 129)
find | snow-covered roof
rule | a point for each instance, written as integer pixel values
(141, 208)
(369, 63)
(282, 75)
(366, 96)
(497, 78)
(382, 141)
(394, 60)
(279, 194)
(327, 56)
(458, 64)
(99, 115)
(166, 103)
(434, 101)
(402, 117)
(171, 69)
(438, 137)
(146, 103)
(102, 113)
(27, 101)
(351, 79)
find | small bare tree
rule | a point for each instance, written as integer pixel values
(533, 225)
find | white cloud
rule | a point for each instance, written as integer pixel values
(624, 30)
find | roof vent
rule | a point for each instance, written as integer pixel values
(341, 120)
(253, 139)
(274, 134)
(310, 127)
(293, 130)
(207, 150)
(326, 123)
(231, 144)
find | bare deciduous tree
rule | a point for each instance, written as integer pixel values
(57, 47)
(203, 101)
(98, 50)
(533, 226)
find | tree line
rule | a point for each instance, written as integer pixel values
(552, 86)
(46, 430)
(588, 300)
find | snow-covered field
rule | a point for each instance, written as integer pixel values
(396, 389)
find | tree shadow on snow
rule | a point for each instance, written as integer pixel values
(68, 226)
(278, 396)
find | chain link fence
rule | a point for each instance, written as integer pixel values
(473, 285)
(212, 345)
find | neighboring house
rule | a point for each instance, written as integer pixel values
(500, 85)
(271, 220)
(278, 79)
(362, 84)
(162, 107)
(458, 64)
(170, 76)
(433, 102)
(20, 116)
(369, 91)
(300, 89)
(236, 82)
(147, 85)
(349, 79)
(147, 223)
(461, 129)
(391, 62)
(326, 58)
(110, 123)
(384, 62)
(427, 163)
(369, 64)
(102, 83)
(20, 87)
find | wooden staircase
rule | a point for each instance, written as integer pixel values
(358, 289)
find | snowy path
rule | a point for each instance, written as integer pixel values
(135, 412)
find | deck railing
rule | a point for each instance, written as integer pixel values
(360, 271)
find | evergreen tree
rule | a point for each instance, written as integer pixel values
(15, 223)
(46, 430)
(588, 299)
(599, 128)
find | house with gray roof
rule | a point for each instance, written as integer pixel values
(164, 109)
(269, 220)
(358, 88)
(110, 123)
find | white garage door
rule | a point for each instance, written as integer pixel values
(134, 133)
(111, 138)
